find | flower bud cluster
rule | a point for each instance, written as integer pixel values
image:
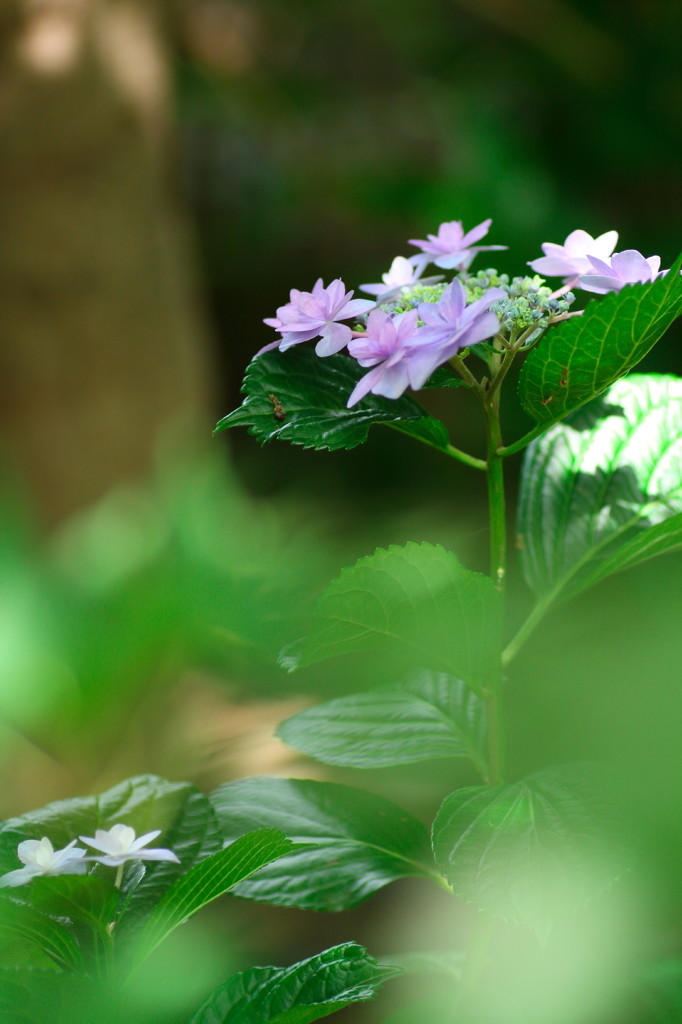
(414, 298)
(529, 302)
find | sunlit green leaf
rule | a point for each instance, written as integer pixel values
(530, 851)
(419, 606)
(578, 359)
(603, 490)
(355, 842)
(211, 878)
(430, 715)
(305, 992)
(296, 396)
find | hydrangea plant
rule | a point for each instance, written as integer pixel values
(528, 851)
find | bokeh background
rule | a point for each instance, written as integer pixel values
(171, 168)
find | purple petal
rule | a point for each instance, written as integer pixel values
(599, 265)
(476, 233)
(364, 386)
(485, 326)
(355, 307)
(554, 266)
(267, 348)
(598, 284)
(334, 337)
(296, 337)
(631, 266)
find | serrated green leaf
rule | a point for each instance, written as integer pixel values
(296, 396)
(418, 605)
(305, 992)
(354, 842)
(530, 851)
(206, 881)
(430, 715)
(145, 802)
(579, 358)
(603, 490)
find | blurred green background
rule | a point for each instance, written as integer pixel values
(171, 170)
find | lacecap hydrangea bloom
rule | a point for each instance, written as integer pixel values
(626, 267)
(39, 857)
(316, 314)
(572, 259)
(452, 248)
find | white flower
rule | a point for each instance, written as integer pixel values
(41, 858)
(120, 845)
(402, 276)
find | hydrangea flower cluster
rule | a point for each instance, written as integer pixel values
(115, 847)
(416, 324)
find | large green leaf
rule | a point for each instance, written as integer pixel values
(40, 930)
(354, 842)
(578, 359)
(430, 715)
(603, 490)
(418, 605)
(296, 396)
(146, 802)
(532, 850)
(305, 992)
(211, 878)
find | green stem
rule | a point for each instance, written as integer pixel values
(498, 551)
(465, 373)
(522, 442)
(470, 460)
(517, 642)
(496, 497)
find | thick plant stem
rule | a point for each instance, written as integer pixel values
(498, 565)
(496, 500)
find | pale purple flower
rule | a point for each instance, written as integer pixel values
(315, 315)
(403, 274)
(39, 857)
(451, 247)
(626, 267)
(384, 344)
(119, 845)
(573, 257)
(449, 326)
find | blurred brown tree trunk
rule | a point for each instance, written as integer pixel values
(102, 341)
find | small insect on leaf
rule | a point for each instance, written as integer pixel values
(278, 411)
(546, 401)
